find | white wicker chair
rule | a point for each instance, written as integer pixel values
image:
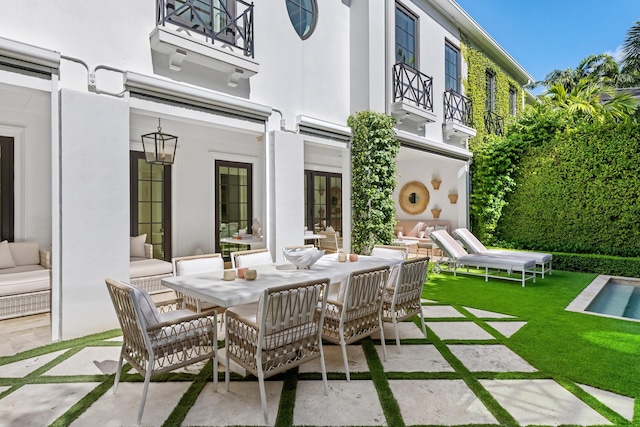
(284, 332)
(356, 311)
(250, 258)
(155, 343)
(402, 299)
(196, 264)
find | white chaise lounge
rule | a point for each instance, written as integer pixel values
(475, 246)
(492, 264)
(145, 271)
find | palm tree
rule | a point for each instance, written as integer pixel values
(631, 50)
(601, 69)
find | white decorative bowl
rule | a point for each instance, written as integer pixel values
(302, 257)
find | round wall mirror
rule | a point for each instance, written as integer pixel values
(414, 198)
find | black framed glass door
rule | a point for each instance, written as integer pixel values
(323, 201)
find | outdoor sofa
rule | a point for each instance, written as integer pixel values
(496, 266)
(145, 271)
(25, 279)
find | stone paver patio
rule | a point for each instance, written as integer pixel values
(441, 380)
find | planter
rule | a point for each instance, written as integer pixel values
(436, 183)
(436, 212)
(453, 198)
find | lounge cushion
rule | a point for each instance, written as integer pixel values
(149, 267)
(6, 258)
(137, 246)
(25, 282)
(25, 253)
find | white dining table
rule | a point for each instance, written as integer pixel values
(212, 288)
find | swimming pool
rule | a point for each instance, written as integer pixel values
(610, 296)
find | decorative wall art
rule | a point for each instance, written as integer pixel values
(414, 197)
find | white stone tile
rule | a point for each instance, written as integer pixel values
(414, 358)
(334, 362)
(542, 402)
(25, 367)
(490, 358)
(440, 311)
(4, 388)
(427, 301)
(406, 330)
(483, 314)
(121, 409)
(348, 404)
(623, 405)
(459, 331)
(41, 404)
(88, 361)
(115, 339)
(507, 328)
(439, 402)
(240, 406)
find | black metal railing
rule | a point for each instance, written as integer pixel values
(494, 123)
(229, 22)
(412, 85)
(457, 108)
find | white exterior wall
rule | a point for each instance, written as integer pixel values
(94, 209)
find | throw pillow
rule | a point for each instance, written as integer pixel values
(137, 246)
(6, 259)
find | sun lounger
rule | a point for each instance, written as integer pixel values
(475, 246)
(496, 266)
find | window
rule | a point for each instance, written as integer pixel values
(323, 200)
(303, 15)
(490, 101)
(151, 204)
(6, 189)
(234, 196)
(451, 67)
(406, 36)
(513, 107)
(200, 15)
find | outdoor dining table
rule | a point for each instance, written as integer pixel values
(212, 288)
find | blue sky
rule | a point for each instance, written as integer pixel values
(545, 35)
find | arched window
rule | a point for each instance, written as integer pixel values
(303, 15)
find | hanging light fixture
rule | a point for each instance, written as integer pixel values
(159, 148)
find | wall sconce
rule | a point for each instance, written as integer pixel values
(159, 148)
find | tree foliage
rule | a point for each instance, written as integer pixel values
(374, 151)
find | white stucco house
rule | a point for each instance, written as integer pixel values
(258, 96)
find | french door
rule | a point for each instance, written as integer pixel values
(6, 189)
(234, 207)
(323, 200)
(151, 203)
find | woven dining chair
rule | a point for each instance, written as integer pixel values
(355, 312)
(154, 343)
(284, 332)
(196, 264)
(401, 300)
(250, 258)
(330, 243)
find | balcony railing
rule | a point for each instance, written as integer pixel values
(229, 22)
(493, 123)
(412, 85)
(457, 108)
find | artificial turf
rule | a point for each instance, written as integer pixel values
(587, 349)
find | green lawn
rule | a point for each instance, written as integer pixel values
(587, 349)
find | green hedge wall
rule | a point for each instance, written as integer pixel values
(577, 191)
(600, 264)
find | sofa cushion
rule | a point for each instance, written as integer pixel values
(149, 267)
(25, 253)
(25, 282)
(6, 258)
(21, 269)
(137, 246)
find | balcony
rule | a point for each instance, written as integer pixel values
(219, 36)
(412, 96)
(493, 123)
(458, 121)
